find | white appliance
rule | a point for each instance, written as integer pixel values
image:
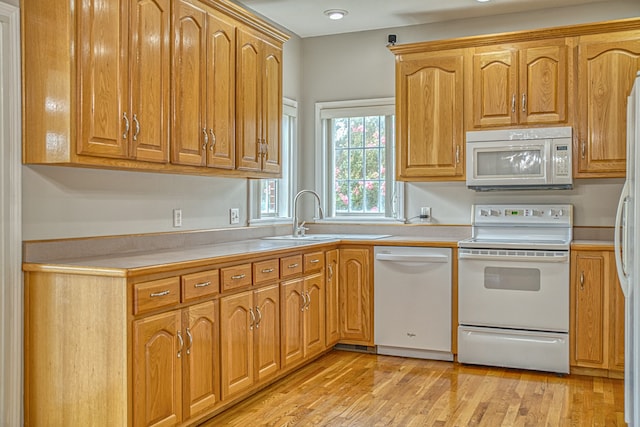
(513, 287)
(412, 302)
(536, 158)
(627, 238)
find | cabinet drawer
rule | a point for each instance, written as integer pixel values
(148, 296)
(202, 284)
(237, 276)
(290, 266)
(266, 271)
(313, 261)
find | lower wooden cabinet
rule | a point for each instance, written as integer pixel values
(303, 318)
(250, 347)
(332, 304)
(597, 313)
(175, 365)
(356, 295)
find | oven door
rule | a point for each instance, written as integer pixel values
(508, 163)
(518, 289)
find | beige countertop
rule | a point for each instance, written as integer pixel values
(118, 264)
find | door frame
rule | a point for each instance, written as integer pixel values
(11, 281)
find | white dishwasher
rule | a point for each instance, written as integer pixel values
(412, 302)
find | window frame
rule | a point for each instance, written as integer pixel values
(324, 152)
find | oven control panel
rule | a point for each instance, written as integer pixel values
(539, 214)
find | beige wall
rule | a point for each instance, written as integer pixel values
(358, 66)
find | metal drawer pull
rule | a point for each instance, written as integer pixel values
(238, 276)
(202, 285)
(513, 103)
(314, 261)
(190, 341)
(268, 270)
(259, 317)
(308, 300)
(304, 301)
(159, 294)
(330, 268)
(293, 265)
(582, 280)
(206, 138)
(457, 154)
(524, 102)
(213, 139)
(137, 123)
(253, 319)
(583, 148)
(126, 125)
(181, 344)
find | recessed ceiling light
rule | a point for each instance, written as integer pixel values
(482, 1)
(335, 14)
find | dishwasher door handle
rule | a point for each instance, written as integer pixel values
(413, 258)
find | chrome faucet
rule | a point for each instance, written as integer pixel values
(299, 229)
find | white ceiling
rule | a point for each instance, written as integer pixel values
(306, 18)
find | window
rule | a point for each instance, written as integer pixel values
(357, 177)
(271, 197)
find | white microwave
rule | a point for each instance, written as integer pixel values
(514, 159)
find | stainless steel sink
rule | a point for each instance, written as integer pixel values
(329, 237)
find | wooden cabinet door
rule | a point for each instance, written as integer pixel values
(248, 101)
(616, 359)
(201, 371)
(543, 82)
(494, 93)
(272, 109)
(332, 314)
(314, 315)
(267, 331)
(220, 100)
(292, 328)
(589, 338)
(236, 324)
(150, 67)
(188, 130)
(158, 349)
(430, 129)
(102, 45)
(356, 291)
(607, 66)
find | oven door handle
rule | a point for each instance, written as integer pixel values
(515, 258)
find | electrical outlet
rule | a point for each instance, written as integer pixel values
(425, 213)
(177, 217)
(234, 216)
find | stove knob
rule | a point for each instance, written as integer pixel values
(494, 212)
(552, 212)
(484, 212)
(560, 212)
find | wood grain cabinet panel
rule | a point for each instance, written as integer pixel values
(203, 96)
(607, 66)
(356, 295)
(429, 110)
(124, 75)
(258, 102)
(250, 348)
(597, 313)
(520, 84)
(332, 303)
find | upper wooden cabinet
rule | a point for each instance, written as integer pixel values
(124, 80)
(259, 102)
(519, 84)
(144, 85)
(429, 109)
(204, 91)
(607, 66)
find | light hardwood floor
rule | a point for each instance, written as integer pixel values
(355, 389)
